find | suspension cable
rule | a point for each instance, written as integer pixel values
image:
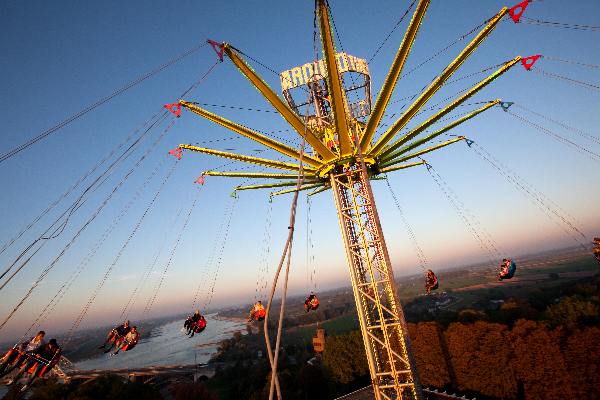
(66, 286)
(58, 226)
(45, 237)
(559, 138)
(562, 60)
(445, 48)
(73, 187)
(311, 268)
(563, 78)
(120, 253)
(484, 243)
(286, 255)
(152, 299)
(536, 197)
(563, 25)
(263, 259)
(392, 31)
(78, 233)
(578, 131)
(218, 242)
(99, 102)
(423, 261)
(149, 269)
(219, 261)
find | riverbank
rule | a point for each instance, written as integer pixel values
(168, 344)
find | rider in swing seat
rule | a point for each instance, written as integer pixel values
(257, 312)
(17, 355)
(43, 359)
(128, 342)
(507, 269)
(198, 323)
(311, 302)
(114, 335)
(431, 281)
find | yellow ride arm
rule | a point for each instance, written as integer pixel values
(421, 152)
(249, 159)
(251, 134)
(392, 77)
(451, 125)
(430, 121)
(436, 85)
(283, 109)
(336, 92)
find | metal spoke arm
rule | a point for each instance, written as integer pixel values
(249, 159)
(319, 190)
(392, 77)
(421, 152)
(251, 134)
(336, 93)
(305, 187)
(436, 117)
(437, 133)
(256, 175)
(436, 84)
(282, 108)
(398, 167)
(267, 185)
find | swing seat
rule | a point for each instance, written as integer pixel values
(11, 355)
(260, 315)
(47, 365)
(510, 272)
(199, 326)
(128, 345)
(114, 336)
(311, 303)
(431, 281)
(14, 357)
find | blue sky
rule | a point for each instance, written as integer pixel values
(58, 57)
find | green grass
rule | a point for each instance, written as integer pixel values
(335, 326)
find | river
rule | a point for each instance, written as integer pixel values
(168, 345)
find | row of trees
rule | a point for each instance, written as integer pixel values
(531, 360)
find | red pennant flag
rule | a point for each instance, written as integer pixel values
(177, 153)
(529, 61)
(200, 180)
(174, 108)
(516, 11)
(217, 47)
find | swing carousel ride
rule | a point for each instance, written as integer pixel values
(339, 126)
(328, 103)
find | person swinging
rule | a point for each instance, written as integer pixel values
(431, 281)
(38, 363)
(195, 323)
(115, 334)
(507, 269)
(311, 302)
(127, 342)
(16, 356)
(257, 313)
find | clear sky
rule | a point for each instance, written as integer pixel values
(58, 57)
